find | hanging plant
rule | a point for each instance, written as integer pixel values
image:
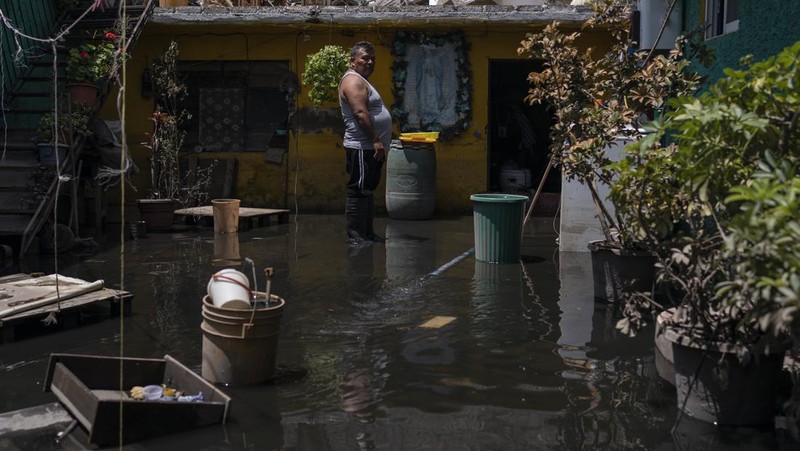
(89, 62)
(324, 70)
(431, 82)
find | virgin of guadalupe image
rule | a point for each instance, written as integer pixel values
(431, 86)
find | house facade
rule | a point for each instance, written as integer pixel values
(735, 28)
(242, 67)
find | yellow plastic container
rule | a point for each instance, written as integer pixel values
(425, 137)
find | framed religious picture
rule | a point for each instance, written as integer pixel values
(432, 84)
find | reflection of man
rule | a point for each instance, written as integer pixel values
(368, 132)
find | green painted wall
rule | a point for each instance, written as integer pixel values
(765, 28)
(35, 18)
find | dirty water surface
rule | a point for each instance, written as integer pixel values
(518, 356)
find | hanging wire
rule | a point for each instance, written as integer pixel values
(296, 151)
(123, 163)
(3, 100)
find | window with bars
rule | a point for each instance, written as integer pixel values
(235, 106)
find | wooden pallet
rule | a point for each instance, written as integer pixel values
(249, 218)
(69, 313)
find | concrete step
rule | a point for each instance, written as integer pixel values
(17, 152)
(17, 202)
(16, 178)
(13, 224)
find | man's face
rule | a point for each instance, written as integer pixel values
(363, 63)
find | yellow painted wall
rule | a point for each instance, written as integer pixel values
(312, 177)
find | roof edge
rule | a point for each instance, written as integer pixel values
(374, 16)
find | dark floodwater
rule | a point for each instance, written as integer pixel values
(530, 361)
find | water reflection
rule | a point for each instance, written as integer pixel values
(410, 249)
(576, 301)
(226, 250)
(530, 361)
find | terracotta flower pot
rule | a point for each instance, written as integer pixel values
(83, 93)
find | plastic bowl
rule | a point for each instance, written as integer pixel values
(229, 288)
(152, 392)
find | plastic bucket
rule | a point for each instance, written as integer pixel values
(498, 227)
(226, 215)
(229, 288)
(240, 346)
(236, 314)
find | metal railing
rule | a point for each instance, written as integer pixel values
(69, 164)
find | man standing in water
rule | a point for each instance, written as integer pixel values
(367, 135)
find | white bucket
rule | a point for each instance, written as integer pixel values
(229, 288)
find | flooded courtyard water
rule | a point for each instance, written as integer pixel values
(529, 362)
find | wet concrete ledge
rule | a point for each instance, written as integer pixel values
(45, 416)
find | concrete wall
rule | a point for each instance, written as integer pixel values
(312, 176)
(579, 219)
(765, 28)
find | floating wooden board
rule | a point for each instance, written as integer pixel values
(248, 217)
(23, 288)
(437, 322)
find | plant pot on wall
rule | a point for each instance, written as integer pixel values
(172, 3)
(617, 271)
(158, 214)
(84, 93)
(48, 152)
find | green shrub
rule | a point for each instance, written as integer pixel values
(324, 70)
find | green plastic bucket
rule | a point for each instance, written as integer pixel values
(498, 226)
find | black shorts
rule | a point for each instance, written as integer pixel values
(364, 172)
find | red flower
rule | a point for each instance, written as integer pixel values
(84, 54)
(111, 35)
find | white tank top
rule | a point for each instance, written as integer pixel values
(354, 136)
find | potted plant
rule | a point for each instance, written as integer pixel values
(88, 64)
(324, 70)
(729, 182)
(57, 131)
(600, 103)
(169, 186)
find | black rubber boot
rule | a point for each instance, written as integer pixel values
(370, 222)
(355, 218)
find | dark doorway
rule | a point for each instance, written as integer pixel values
(519, 133)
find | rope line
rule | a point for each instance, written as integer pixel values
(123, 161)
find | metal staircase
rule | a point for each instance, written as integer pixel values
(30, 97)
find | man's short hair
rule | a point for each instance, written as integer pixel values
(366, 46)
